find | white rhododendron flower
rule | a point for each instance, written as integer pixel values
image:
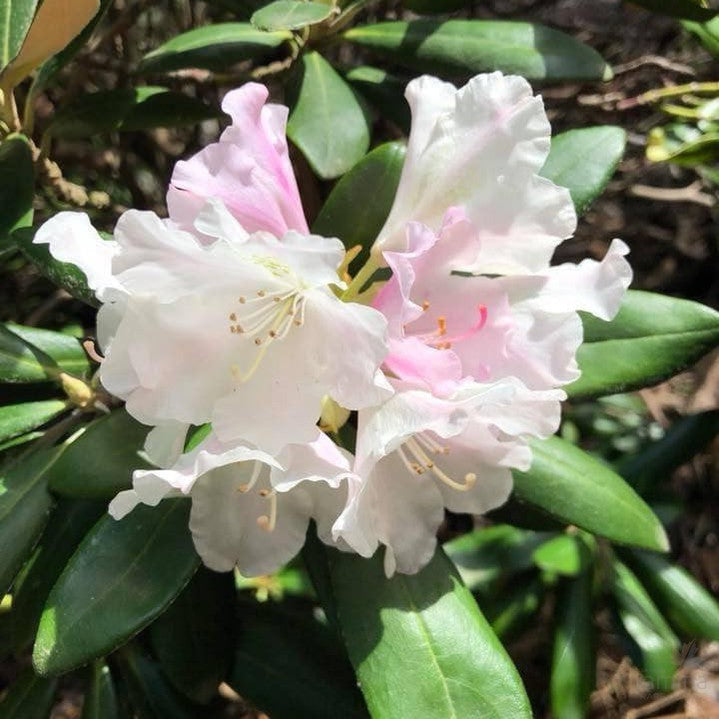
(249, 509)
(241, 331)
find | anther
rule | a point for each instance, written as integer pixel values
(258, 341)
(261, 293)
(233, 317)
(425, 305)
(442, 325)
(273, 334)
(242, 300)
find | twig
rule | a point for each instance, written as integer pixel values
(657, 60)
(690, 193)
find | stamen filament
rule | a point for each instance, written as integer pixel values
(469, 479)
(266, 522)
(256, 469)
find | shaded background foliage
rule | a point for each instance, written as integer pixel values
(533, 582)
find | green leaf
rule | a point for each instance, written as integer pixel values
(571, 485)
(29, 697)
(214, 47)
(328, 122)
(687, 605)
(573, 659)
(15, 19)
(100, 696)
(384, 91)
(685, 438)
(17, 419)
(486, 556)
(17, 179)
(99, 463)
(123, 575)
(584, 161)
(429, 7)
(194, 639)
(359, 203)
(69, 522)
(139, 108)
(63, 274)
(467, 47)
(458, 667)
(683, 9)
(646, 626)
(652, 338)
(515, 609)
(28, 354)
(284, 645)
(565, 554)
(24, 507)
(290, 14)
(708, 34)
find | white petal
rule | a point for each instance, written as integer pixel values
(165, 442)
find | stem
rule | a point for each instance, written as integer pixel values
(665, 92)
(360, 279)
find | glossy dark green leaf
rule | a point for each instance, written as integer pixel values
(284, 645)
(584, 161)
(150, 693)
(570, 484)
(685, 438)
(515, 608)
(15, 19)
(684, 9)
(28, 354)
(69, 522)
(24, 507)
(384, 91)
(430, 7)
(458, 667)
(17, 178)
(645, 625)
(573, 658)
(194, 639)
(485, 556)
(99, 463)
(17, 419)
(359, 203)
(123, 575)
(100, 696)
(290, 15)
(29, 697)
(688, 606)
(137, 108)
(214, 47)
(565, 554)
(22, 439)
(63, 274)
(466, 47)
(652, 338)
(327, 122)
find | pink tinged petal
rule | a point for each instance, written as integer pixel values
(482, 152)
(71, 238)
(249, 169)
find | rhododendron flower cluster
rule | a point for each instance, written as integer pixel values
(230, 312)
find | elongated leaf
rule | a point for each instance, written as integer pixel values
(17, 179)
(24, 507)
(148, 557)
(584, 161)
(194, 638)
(458, 668)
(15, 19)
(683, 440)
(22, 439)
(328, 122)
(466, 47)
(687, 605)
(515, 609)
(100, 697)
(56, 23)
(708, 33)
(570, 484)
(215, 47)
(564, 554)
(290, 14)
(651, 338)
(646, 626)
(137, 108)
(284, 643)
(684, 9)
(573, 660)
(28, 354)
(99, 463)
(428, 7)
(17, 419)
(69, 522)
(30, 697)
(361, 200)
(384, 91)
(63, 274)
